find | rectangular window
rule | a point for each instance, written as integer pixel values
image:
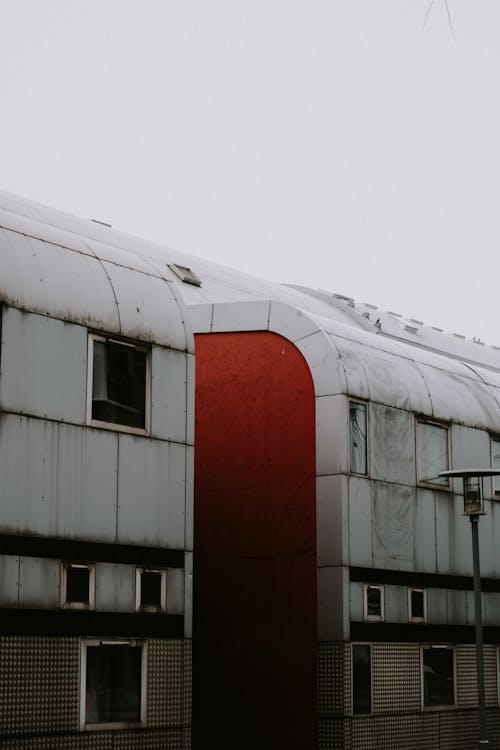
(361, 679)
(438, 676)
(151, 590)
(77, 585)
(119, 382)
(495, 463)
(374, 602)
(357, 438)
(432, 453)
(417, 605)
(113, 683)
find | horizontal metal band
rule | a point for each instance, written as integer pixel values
(73, 549)
(391, 632)
(420, 580)
(84, 623)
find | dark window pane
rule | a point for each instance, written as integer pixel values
(113, 690)
(438, 677)
(357, 435)
(361, 680)
(151, 589)
(119, 384)
(373, 601)
(417, 604)
(77, 585)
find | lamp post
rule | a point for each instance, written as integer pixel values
(474, 507)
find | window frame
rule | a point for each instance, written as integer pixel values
(411, 617)
(68, 565)
(374, 618)
(129, 643)
(441, 706)
(139, 607)
(117, 341)
(360, 402)
(353, 646)
(443, 486)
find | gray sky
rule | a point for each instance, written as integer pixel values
(336, 144)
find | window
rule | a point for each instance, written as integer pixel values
(374, 603)
(438, 682)
(113, 683)
(357, 438)
(151, 590)
(119, 383)
(417, 605)
(495, 463)
(361, 679)
(77, 585)
(432, 453)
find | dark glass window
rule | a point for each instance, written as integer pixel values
(361, 679)
(119, 384)
(113, 684)
(151, 589)
(417, 604)
(77, 584)
(374, 602)
(432, 453)
(357, 437)
(438, 678)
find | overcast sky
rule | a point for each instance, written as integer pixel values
(333, 143)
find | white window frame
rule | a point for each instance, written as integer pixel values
(361, 643)
(444, 706)
(365, 404)
(83, 683)
(139, 607)
(374, 618)
(65, 566)
(426, 482)
(411, 617)
(117, 427)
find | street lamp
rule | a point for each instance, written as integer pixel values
(474, 507)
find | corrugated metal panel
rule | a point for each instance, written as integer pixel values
(39, 583)
(57, 479)
(151, 492)
(44, 366)
(168, 391)
(9, 580)
(175, 591)
(115, 587)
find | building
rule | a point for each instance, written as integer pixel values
(96, 453)
(333, 601)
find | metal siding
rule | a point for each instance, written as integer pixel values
(39, 581)
(115, 587)
(454, 553)
(426, 543)
(240, 316)
(393, 529)
(190, 391)
(470, 447)
(360, 550)
(151, 492)
(175, 591)
(396, 604)
(9, 580)
(438, 605)
(57, 479)
(168, 394)
(148, 309)
(331, 435)
(44, 370)
(189, 522)
(332, 603)
(391, 443)
(321, 355)
(356, 601)
(331, 518)
(188, 595)
(290, 322)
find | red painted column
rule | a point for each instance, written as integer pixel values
(254, 563)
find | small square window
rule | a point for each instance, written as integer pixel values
(77, 585)
(374, 602)
(438, 676)
(417, 605)
(357, 438)
(361, 678)
(119, 381)
(113, 684)
(432, 453)
(151, 590)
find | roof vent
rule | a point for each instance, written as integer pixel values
(102, 223)
(411, 329)
(350, 300)
(185, 274)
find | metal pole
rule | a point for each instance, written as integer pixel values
(483, 742)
